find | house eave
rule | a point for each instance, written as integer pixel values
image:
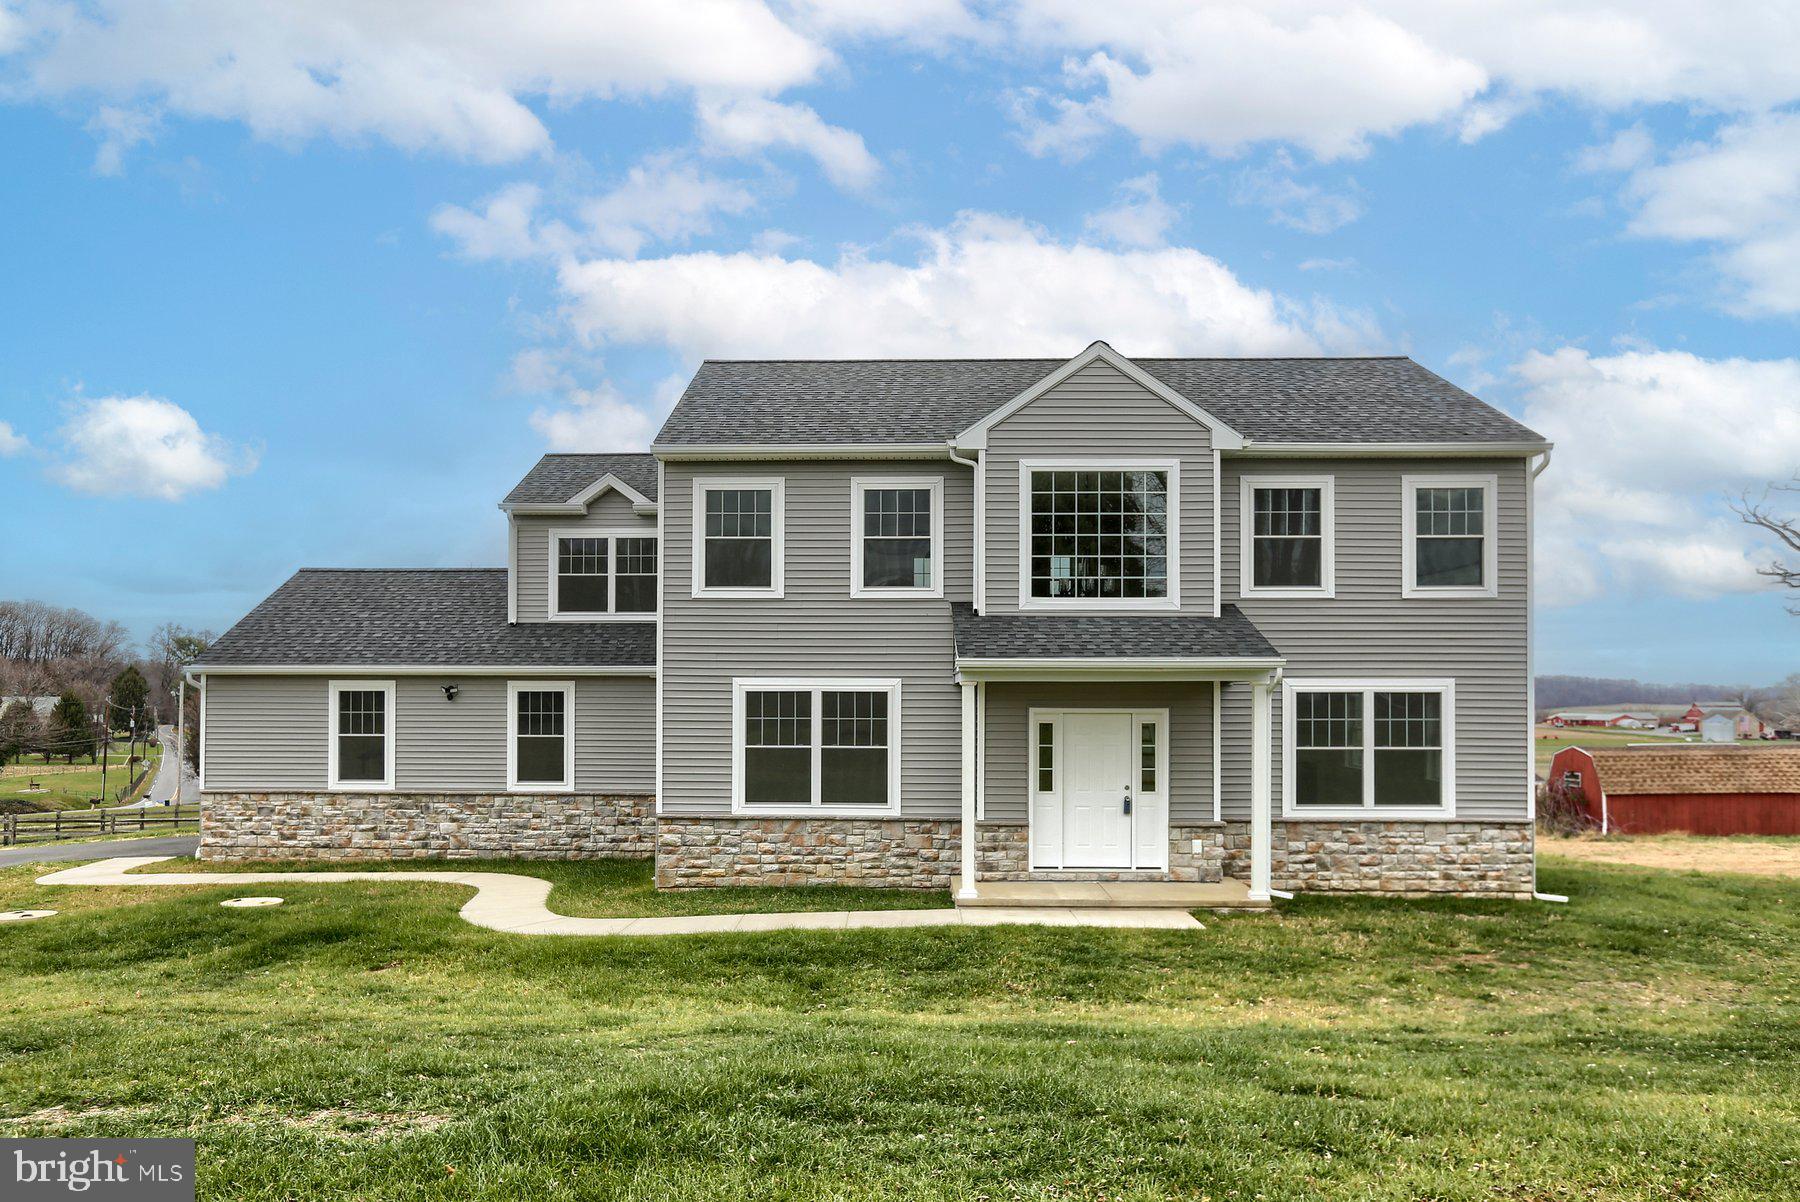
(1387, 450)
(1118, 668)
(423, 669)
(802, 450)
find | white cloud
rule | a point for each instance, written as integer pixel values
(1327, 264)
(984, 282)
(144, 446)
(119, 130)
(1740, 192)
(12, 442)
(747, 126)
(1224, 74)
(664, 200)
(602, 419)
(926, 22)
(506, 228)
(1308, 208)
(1626, 150)
(445, 75)
(1650, 444)
(1140, 218)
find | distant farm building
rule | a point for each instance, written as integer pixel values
(1701, 789)
(1622, 719)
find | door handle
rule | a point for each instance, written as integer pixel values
(1128, 801)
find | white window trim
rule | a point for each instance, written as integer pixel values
(755, 684)
(612, 535)
(1327, 586)
(778, 552)
(1490, 535)
(513, 689)
(1171, 469)
(1368, 811)
(859, 485)
(332, 689)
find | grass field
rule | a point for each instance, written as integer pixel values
(1551, 739)
(363, 1042)
(74, 790)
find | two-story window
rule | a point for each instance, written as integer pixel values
(1368, 748)
(1287, 536)
(360, 751)
(738, 532)
(896, 536)
(1448, 536)
(1099, 534)
(816, 745)
(595, 574)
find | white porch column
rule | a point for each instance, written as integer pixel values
(967, 888)
(1260, 833)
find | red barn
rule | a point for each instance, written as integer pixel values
(1703, 790)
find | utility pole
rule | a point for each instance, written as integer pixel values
(180, 736)
(101, 740)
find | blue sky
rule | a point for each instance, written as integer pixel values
(314, 286)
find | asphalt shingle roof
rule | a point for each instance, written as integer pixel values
(417, 617)
(1373, 400)
(1107, 636)
(558, 478)
(1629, 770)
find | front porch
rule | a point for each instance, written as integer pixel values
(1228, 894)
(1092, 756)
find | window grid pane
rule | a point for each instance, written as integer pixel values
(581, 557)
(739, 513)
(637, 557)
(1147, 757)
(740, 538)
(1099, 534)
(1046, 757)
(540, 712)
(362, 712)
(1288, 538)
(853, 719)
(778, 719)
(1328, 720)
(1409, 720)
(897, 513)
(1451, 512)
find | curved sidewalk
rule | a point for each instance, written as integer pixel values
(510, 902)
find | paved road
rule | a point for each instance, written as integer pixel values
(162, 789)
(158, 845)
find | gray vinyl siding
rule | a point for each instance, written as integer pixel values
(531, 571)
(1097, 412)
(1006, 745)
(1370, 630)
(267, 733)
(815, 630)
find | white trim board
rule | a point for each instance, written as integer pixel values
(1223, 436)
(1171, 469)
(777, 488)
(446, 670)
(580, 501)
(1327, 586)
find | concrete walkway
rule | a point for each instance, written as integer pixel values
(505, 901)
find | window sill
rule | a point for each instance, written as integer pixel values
(897, 594)
(736, 594)
(603, 617)
(1289, 594)
(822, 811)
(1371, 814)
(360, 786)
(1448, 594)
(1044, 605)
(540, 788)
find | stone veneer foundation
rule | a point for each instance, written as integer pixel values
(394, 826)
(1409, 859)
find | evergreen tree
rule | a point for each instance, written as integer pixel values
(129, 695)
(20, 731)
(69, 735)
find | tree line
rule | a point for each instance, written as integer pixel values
(1778, 703)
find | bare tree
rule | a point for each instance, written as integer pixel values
(1761, 514)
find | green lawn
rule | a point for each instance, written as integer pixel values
(75, 790)
(362, 1042)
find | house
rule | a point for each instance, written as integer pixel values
(1704, 790)
(1191, 619)
(41, 706)
(1742, 723)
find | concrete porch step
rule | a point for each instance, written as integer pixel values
(1112, 895)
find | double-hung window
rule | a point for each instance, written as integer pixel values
(1099, 535)
(738, 537)
(360, 755)
(1287, 536)
(896, 537)
(816, 746)
(1448, 525)
(595, 574)
(540, 736)
(1374, 748)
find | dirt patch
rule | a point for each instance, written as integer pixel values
(1684, 853)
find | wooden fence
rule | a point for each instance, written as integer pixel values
(75, 824)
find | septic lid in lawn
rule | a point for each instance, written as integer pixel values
(24, 915)
(244, 903)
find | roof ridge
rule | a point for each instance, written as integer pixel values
(596, 454)
(297, 571)
(1064, 359)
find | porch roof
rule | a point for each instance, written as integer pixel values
(1096, 643)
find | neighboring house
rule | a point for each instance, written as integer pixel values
(1743, 723)
(1164, 618)
(1703, 790)
(41, 706)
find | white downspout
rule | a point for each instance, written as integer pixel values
(978, 589)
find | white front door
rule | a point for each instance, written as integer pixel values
(1097, 779)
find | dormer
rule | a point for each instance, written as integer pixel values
(582, 540)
